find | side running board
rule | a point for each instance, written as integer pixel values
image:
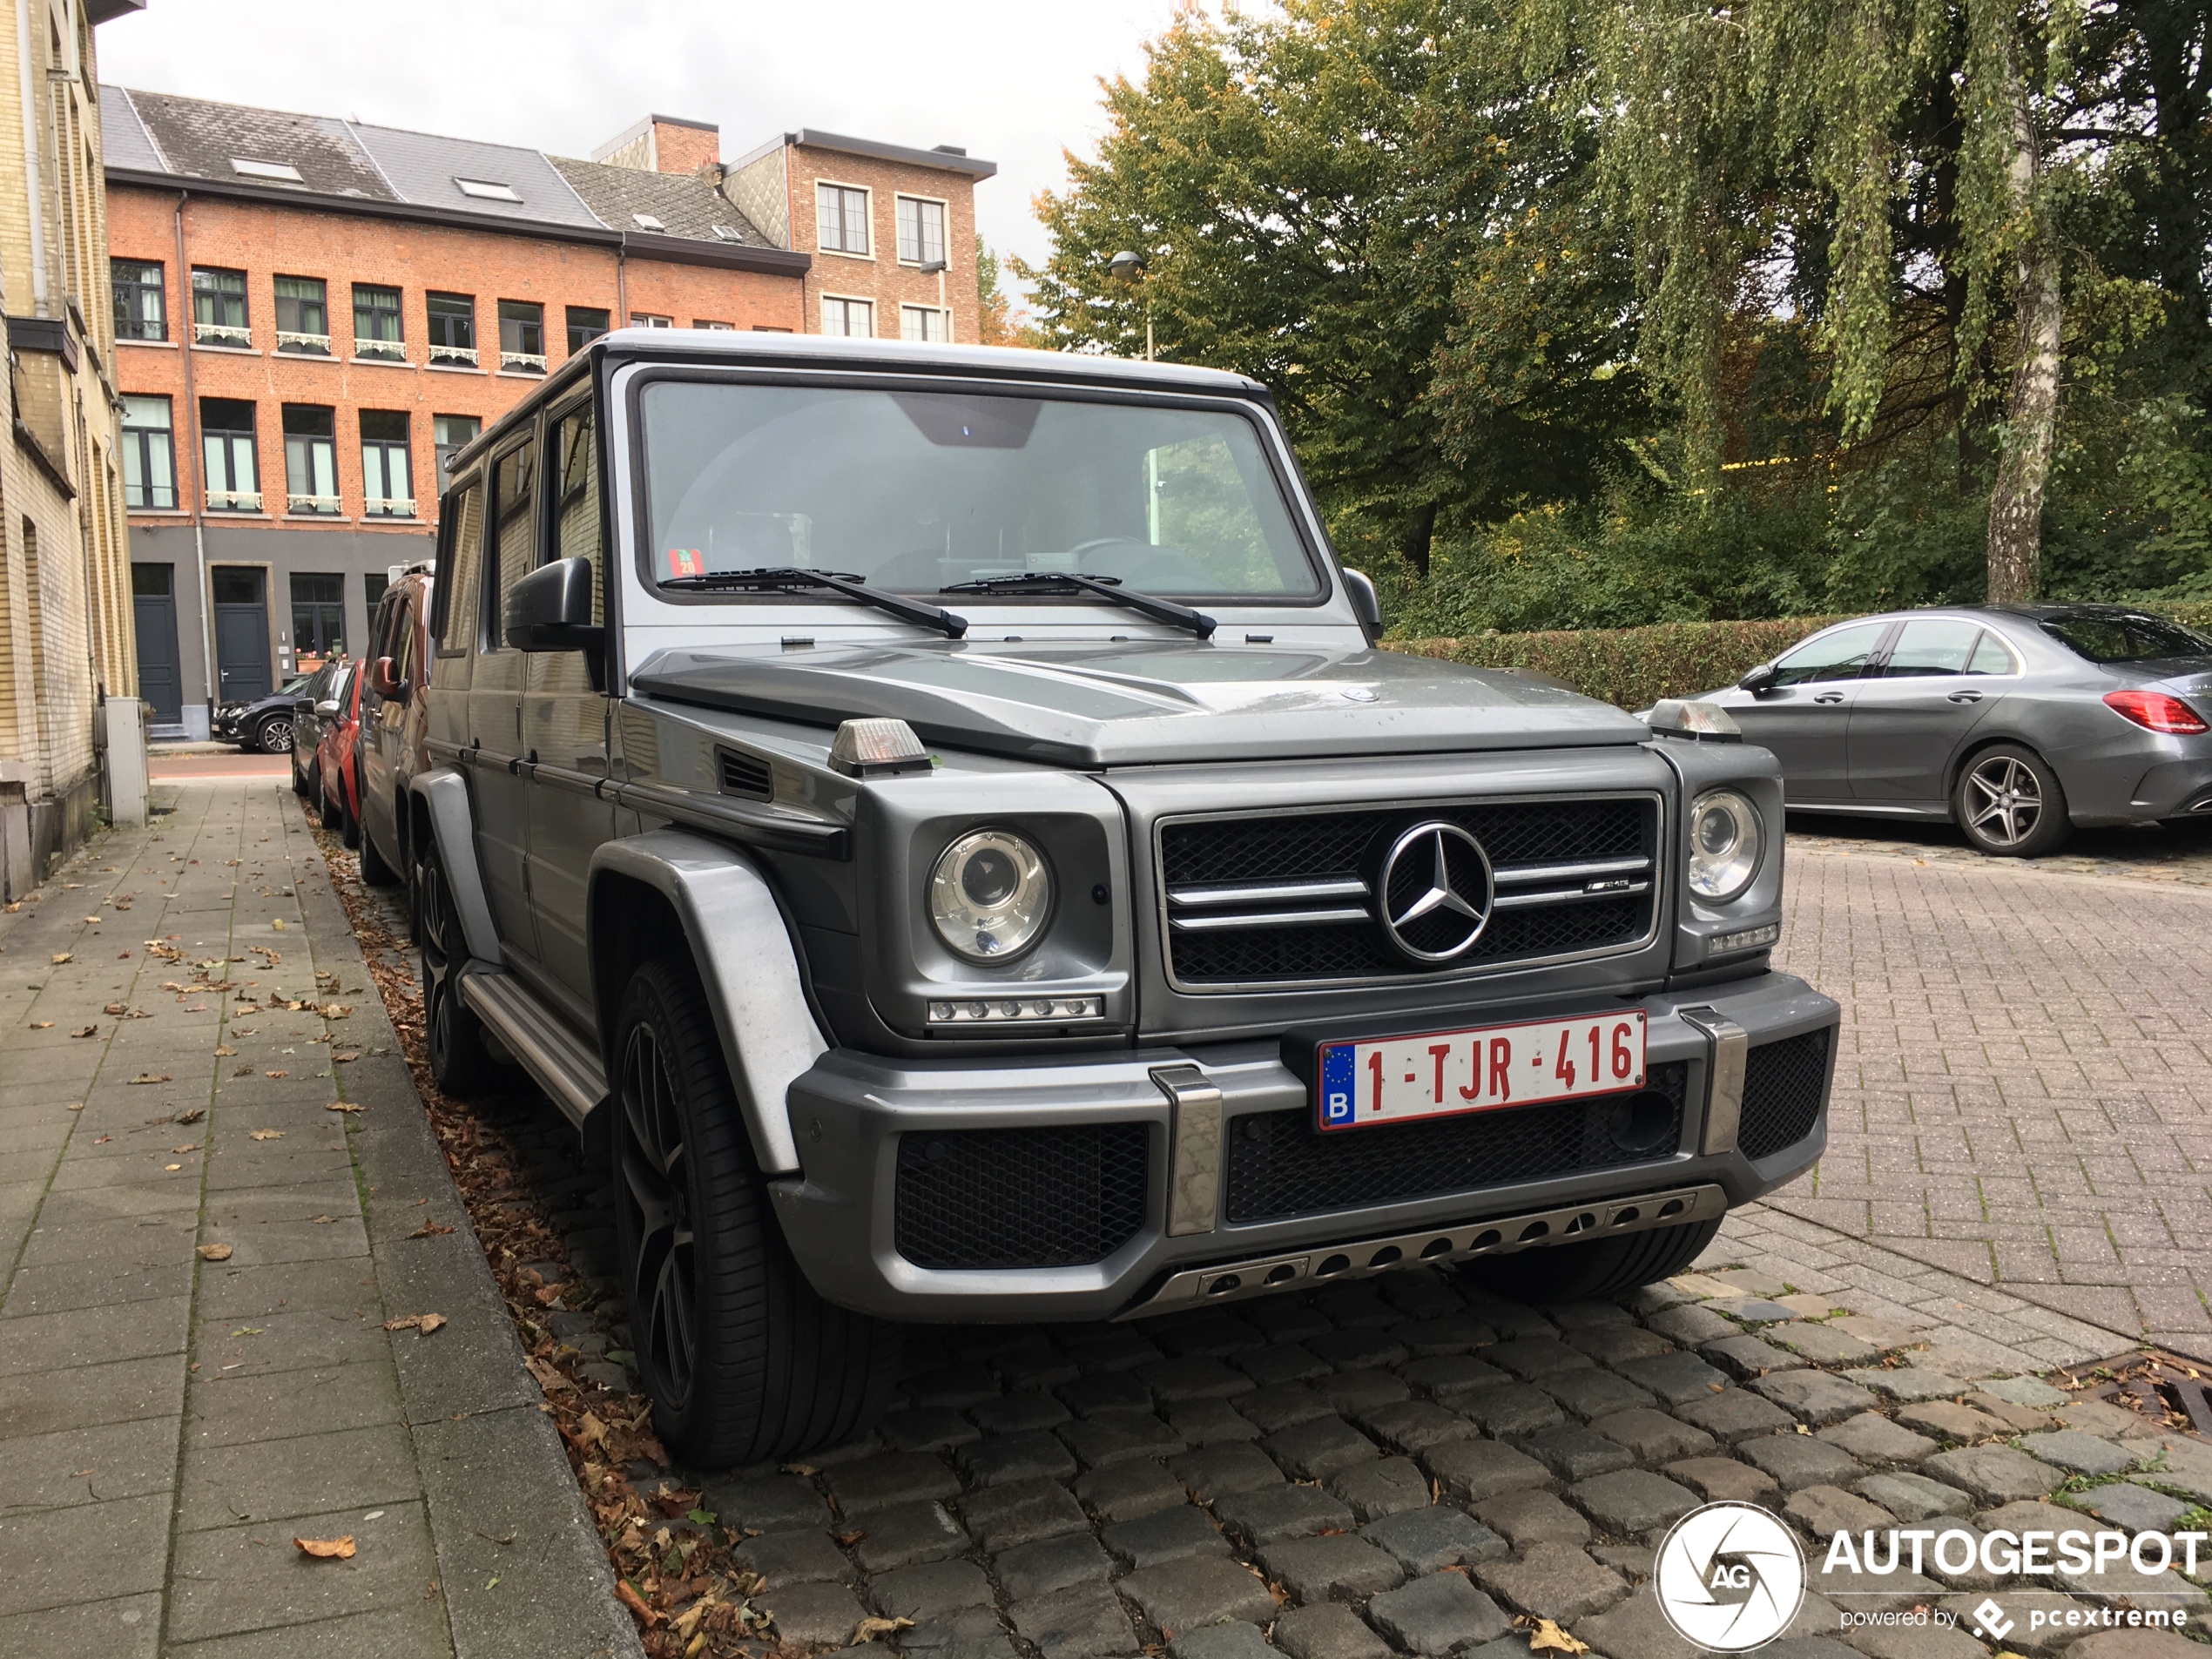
(563, 1066)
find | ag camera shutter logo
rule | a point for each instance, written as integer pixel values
(1730, 1578)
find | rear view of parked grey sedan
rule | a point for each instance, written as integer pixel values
(2019, 723)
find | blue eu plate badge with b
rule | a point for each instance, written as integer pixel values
(1338, 1082)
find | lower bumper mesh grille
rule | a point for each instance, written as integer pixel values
(1279, 1165)
(1020, 1197)
(1783, 1083)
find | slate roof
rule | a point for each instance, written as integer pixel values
(422, 167)
(684, 203)
(200, 139)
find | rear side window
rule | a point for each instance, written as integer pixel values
(1932, 645)
(2126, 638)
(1992, 656)
(1842, 655)
(514, 493)
(574, 461)
(465, 559)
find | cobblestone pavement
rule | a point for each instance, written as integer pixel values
(216, 1186)
(2179, 853)
(2023, 1088)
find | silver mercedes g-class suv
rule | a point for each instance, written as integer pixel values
(938, 819)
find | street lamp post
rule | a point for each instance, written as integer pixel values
(1129, 267)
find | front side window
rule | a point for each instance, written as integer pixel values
(1932, 645)
(449, 435)
(303, 315)
(310, 458)
(923, 491)
(377, 332)
(1842, 655)
(453, 328)
(922, 231)
(219, 308)
(149, 455)
(586, 324)
(227, 445)
(841, 219)
(2124, 637)
(514, 538)
(852, 318)
(575, 459)
(522, 336)
(318, 618)
(387, 476)
(141, 301)
(920, 322)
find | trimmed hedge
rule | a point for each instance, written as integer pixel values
(1633, 668)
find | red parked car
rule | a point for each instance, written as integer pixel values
(339, 776)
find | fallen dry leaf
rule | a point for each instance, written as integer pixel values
(337, 1010)
(342, 1106)
(276, 1073)
(430, 1229)
(326, 1550)
(871, 1629)
(150, 1077)
(244, 1071)
(104, 1140)
(321, 1221)
(426, 1323)
(191, 1146)
(42, 1025)
(265, 1135)
(1545, 1636)
(87, 1031)
(60, 956)
(192, 1116)
(278, 923)
(224, 1051)
(116, 1008)
(214, 1252)
(646, 1615)
(94, 920)
(173, 1167)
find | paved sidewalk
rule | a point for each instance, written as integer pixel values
(212, 1203)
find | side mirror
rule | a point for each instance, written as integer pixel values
(327, 709)
(385, 682)
(1365, 605)
(1759, 681)
(551, 609)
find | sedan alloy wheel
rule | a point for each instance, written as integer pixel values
(2009, 802)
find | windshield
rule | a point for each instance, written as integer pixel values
(917, 492)
(2107, 638)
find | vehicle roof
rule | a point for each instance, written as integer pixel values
(2013, 612)
(815, 352)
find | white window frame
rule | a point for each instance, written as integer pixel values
(943, 204)
(821, 318)
(867, 194)
(944, 324)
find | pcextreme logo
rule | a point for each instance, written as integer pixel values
(1730, 1578)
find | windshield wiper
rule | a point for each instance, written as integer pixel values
(1108, 587)
(787, 579)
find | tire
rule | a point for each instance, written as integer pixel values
(273, 736)
(2008, 801)
(299, 782)
(349, 825)
(375, 872)
(742, 1360)
(451, 1031)
(1600, 1267)
(333, 815)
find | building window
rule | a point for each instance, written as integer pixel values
(310, 458)
(650, 319)
(586, 324)
(303, 315)
(841, 219)
(374, 582)
(522, 336)
(920, 322)
(227, 443)
(921, 232)
(318, 618)
(453, 328)
(141, 301)
(149, 456)
(386, 474)
(219, 308)
(450, 435)
(719, 327)
(376, 323)
(854, 318)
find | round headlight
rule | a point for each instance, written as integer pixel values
(990, 895)
(1725, 839)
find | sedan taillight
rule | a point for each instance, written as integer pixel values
(2155, 712)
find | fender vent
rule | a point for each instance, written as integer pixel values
(744, 774)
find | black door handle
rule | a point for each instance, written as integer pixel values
(1966, 697)
(1828, 697)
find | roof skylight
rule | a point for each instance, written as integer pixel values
(247, 168)
(486, 190)
(728, 233)
(646, 221)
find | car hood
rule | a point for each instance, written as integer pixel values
(1108, 704)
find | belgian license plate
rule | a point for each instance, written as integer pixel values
(1442, 1073)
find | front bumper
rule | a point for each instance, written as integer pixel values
(850, 1112)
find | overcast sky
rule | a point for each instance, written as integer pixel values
(1012, 80)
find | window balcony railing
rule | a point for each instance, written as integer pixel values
(530, 361)
(294, 502)
(391, 506)
(382, 351)
(454, 355)
(221, 334)
(234, 500)
(305, 345)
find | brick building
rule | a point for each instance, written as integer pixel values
(311, 311)
(66, 634)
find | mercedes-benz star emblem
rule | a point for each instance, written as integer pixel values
(1435, 892)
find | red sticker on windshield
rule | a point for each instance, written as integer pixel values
(686, 561)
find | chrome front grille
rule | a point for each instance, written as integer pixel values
(1289, 898)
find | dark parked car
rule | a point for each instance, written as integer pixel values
(936, 816)
(2019, 723)
(264, 724)
(394, 724)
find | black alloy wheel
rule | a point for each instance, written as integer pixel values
(274, 735)
(450, 1029)
(742, 1360)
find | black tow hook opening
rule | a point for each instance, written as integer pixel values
(1641, 1122)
